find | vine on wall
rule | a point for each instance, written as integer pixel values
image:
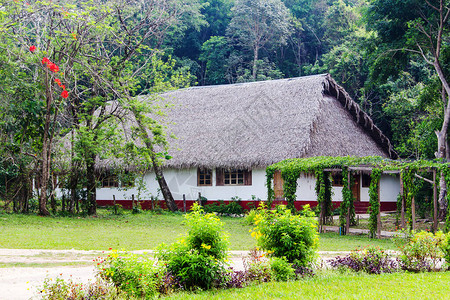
(347, 205)
(292, 168)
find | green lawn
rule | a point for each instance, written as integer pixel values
(133, 232)
(333, 285)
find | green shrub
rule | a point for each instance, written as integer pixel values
(250, 217)
(283, 234)
(199, 258)
(192, 268)
(281, 269)
(133, 274)
(420, 251)
(232, 208)
(445, 247)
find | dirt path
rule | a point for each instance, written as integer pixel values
(23, 271)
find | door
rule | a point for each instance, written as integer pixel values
(278, 186)
(356, 190)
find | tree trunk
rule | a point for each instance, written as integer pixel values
(255, 61)
(170, 202)
(91, 185)
(442, 140)
(46, 151)
(73, 190)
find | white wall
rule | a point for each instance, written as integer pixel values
(185, 182)
(389, 189)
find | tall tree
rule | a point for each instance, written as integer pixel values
(419, 28)
(258, 24)
(94, 52)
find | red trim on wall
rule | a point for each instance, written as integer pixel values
(360, 207)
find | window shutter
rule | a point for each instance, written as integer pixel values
(248, 177)
(219, 176)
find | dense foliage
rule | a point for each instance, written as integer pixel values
(284, 234)
(198, 259)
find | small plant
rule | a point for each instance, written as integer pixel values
(134, 275)
(372, 260)
(281, 269)
(60, 289)
(199, 258)
(257, 268)
(137, 208)
(284, 234)
(420, 251)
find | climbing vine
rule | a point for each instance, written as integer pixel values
(292, 168)
(374, 201)
(290, 177)
(324, 193)
(347, 205)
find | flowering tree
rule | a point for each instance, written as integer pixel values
(83, 56)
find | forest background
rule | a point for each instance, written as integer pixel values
(383, 52)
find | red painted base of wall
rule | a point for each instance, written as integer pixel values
(360, 207)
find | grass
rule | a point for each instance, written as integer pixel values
(133, 232)
(334, 285)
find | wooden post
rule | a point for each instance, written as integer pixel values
(379, 211)
(347, 224)
(132, 201)
(199, 200)
(184, 202)
(402, 209)
(435, 203)
(413, 213)
(153, 202)
(115, 206)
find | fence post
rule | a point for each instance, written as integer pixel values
(184, 202)
(115, 206)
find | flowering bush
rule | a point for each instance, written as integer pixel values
(198, 259)
(420, 251)
(135, 275)
(284, 234)
(372, 260)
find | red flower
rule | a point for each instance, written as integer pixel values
(64, 94)
(45, 61)
(63, 86)
(32, 48)
(58, 82)
(53, 67)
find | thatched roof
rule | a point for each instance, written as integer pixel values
(256, 124)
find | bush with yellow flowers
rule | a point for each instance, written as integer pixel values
(284, 234)
(197, 260)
